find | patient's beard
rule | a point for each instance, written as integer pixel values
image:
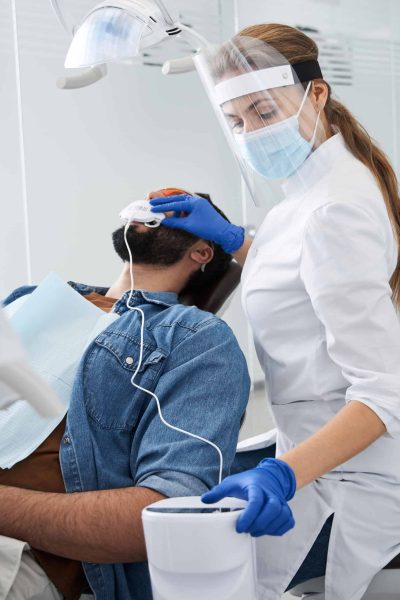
(160, 246)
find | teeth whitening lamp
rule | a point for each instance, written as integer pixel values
(194, 552)
(140, 212)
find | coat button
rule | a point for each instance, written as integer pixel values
(129, 360)
(67, 440)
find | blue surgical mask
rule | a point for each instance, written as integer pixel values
(278, 150)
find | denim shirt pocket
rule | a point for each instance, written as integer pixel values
(110, 398)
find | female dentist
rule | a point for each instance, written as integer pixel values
(321, 283)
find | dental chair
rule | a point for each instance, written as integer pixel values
(384, 586)
(214, 297)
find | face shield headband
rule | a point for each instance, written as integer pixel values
(267, 79)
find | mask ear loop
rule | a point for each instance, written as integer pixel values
(312, 139)
(304, 99)
(314, 135)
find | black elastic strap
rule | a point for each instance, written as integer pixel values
(307, 70)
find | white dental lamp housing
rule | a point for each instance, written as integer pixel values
(118, 31)
(194, 552)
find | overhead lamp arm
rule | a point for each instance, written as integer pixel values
(186, 64)
(165, 13)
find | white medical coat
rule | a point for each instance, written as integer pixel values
(316, 293)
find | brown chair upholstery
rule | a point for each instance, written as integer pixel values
(214, 296)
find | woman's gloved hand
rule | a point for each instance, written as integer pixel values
(202, 220)
(268, 488)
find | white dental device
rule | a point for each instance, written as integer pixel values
(194, 552)
(140, 212)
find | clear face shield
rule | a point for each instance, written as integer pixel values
(264, 107)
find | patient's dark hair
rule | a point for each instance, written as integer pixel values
(216, 268)
(165, 246)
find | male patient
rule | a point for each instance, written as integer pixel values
(112, 451)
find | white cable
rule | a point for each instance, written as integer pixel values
(139, 310)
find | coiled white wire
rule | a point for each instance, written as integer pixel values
(139, 310)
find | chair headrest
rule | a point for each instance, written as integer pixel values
(213, 297)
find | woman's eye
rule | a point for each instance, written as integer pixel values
(236, 126)
(267, 116)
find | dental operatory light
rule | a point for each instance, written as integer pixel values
(118, 31)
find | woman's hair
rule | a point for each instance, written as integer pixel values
(295, 46)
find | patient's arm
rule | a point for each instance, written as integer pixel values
(101, 526)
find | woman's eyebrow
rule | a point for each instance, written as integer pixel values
(230, 115)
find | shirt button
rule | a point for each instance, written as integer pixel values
(129, 360)
(255, 251)
(67, 440)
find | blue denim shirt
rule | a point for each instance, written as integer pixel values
(114, 437)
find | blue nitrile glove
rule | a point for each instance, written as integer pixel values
(202, 220)
(268, 488)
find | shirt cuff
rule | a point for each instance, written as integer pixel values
(174, 484)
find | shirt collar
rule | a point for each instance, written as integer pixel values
(141, 297)
(317, 165)
(138, 297)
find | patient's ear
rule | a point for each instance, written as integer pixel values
(201, 253)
